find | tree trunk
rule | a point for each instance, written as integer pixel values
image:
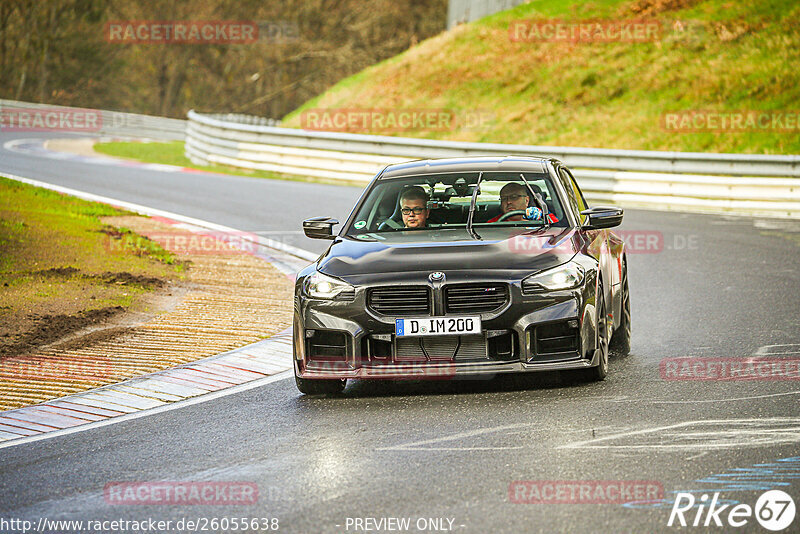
(45, 57)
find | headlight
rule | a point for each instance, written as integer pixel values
(565, 276)
(322, 286)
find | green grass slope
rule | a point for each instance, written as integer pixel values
(711, 55)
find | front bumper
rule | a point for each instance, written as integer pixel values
(358, 326)
(440, 370)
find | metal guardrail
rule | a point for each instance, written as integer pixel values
(760, 185)
(595, 158)
(241, 118)
(461, 11)
(110, 123)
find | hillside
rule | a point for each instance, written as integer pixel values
(714, 55)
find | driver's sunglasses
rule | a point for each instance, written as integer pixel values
(511, 198)
(417, 210)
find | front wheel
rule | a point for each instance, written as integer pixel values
(323, 386)
(621, 339)
(600, 371)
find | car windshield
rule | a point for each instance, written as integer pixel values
(433, 202)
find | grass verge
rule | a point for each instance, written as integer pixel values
(62, 268)
(171, 153)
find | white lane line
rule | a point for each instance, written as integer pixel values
(759, 434)
(777, 350)
(13, 145)
(732, 399)
(579, 444)
(696, 456)
(153, 411)
(419, 445)
(460, 449)
(153, 212)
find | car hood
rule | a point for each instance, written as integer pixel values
(502, 249)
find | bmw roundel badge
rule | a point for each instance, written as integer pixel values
(438, 276)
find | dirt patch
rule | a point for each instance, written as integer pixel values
(132, 279)
(49, 328)
(56, 271)
(110, 231)
(654, 7)
(123, 278)
(26, 327)
(90, 336)
(101, 328)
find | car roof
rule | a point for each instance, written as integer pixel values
(467, 164)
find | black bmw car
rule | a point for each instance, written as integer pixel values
(456, 267)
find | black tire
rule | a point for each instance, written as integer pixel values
(600, 371)
(322, 386)
(621, 339)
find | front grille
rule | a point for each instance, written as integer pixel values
(400, 301)
(474, 298)
(440, 348)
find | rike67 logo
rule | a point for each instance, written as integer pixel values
(774, 510)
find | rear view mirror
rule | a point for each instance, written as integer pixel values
(320, 227)
(602, 217)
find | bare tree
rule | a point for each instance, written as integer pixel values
(57, 52)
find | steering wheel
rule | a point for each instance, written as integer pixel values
(389, 224)
(505, 216)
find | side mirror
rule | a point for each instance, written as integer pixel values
(319, 227)
(602, 217)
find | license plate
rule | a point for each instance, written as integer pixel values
(438, 326)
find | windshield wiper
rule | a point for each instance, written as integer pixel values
(540, 201)
(472, 204)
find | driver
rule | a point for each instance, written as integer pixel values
(515, 197)
(414, 207)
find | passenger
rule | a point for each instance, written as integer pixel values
(515, 197)
(414, 207)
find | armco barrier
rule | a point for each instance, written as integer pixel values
(761, 185)
(110, 123)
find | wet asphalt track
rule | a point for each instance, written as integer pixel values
(716, 287)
